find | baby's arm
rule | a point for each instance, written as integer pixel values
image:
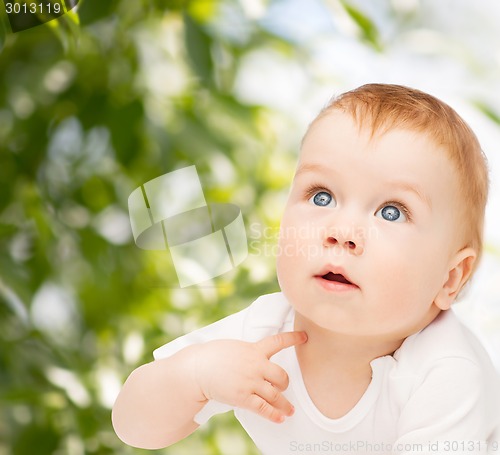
(157, 403)
(159, 400)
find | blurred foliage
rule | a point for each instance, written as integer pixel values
(92, 105)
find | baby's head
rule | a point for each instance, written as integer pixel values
(407, 183)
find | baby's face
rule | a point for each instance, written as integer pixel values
(379, 213)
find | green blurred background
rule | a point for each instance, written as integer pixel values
(118, 92)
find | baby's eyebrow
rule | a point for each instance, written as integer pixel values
(309, 167)
(410, 188)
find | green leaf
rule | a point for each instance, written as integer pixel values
(44, 438)
(93, 10)
(67, 29)
(488, 110)
(198, 45)
(368, 29)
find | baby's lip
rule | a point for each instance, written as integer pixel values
(335, 273)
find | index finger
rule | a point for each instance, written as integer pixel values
(275, 343)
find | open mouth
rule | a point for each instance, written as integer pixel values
(334, 278)
(337, 277)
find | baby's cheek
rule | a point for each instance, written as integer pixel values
(284, 258)
(287, 255)
(390, 272)
(401, 283)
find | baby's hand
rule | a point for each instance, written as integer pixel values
(240, 374)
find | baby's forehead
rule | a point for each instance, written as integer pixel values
(336, 143)
(369, 127)
(335, 129)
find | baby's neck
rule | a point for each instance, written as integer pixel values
(345, 354)
(336, 367)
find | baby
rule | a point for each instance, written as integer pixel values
(359, 352)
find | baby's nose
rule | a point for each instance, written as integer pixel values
(354, 246)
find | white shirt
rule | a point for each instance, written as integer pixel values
(438, 394)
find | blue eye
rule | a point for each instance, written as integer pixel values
(392, 213)
(322, 199)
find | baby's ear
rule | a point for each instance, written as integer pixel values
(459, 271)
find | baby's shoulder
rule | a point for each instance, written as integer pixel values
(444, 342)
(445, 361)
